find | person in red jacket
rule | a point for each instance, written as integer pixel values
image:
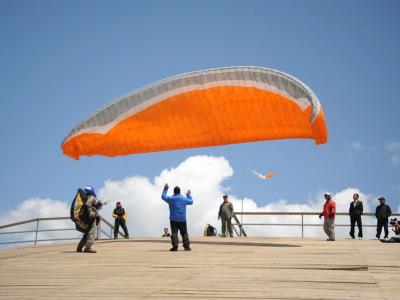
(329, 217)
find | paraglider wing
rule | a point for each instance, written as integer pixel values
(199, 109)
(266, 176)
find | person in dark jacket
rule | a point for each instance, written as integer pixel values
(177, 216)
(355, 212)
(120, 217)
(382, 213)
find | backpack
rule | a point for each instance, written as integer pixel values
(210, 230)
(78, 212)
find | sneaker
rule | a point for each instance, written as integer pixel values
(174, 249)
(353, 237)
(188, 249)
(89, 250)
(360, 237)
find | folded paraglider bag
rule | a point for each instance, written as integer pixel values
(210, 230)
(78, 212)
(81, 227)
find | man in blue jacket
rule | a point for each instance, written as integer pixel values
(177, 216)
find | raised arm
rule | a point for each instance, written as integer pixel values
(189, 199)
(164, 194)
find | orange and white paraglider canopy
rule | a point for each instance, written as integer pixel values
(199, 109)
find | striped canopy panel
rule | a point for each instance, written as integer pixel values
(199, 109)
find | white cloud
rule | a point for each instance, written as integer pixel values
(393, 146)
(395, 159)
(356, 147)
(38, 208)
(205, 176)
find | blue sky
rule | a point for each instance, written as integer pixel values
(62, 60)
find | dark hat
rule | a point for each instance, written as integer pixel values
(381, 199)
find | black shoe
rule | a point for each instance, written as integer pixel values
(78, 249)
(174, 249)
(188, 249)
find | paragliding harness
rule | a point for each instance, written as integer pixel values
(210, 230)
(79, 213)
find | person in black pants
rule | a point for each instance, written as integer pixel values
(177, 215)
(355, 212)
(120, 217)
(382, 213)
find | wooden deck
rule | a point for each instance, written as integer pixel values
(247, 268)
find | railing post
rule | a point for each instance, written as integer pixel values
(302, 225)
(37, 229)
(98, 230)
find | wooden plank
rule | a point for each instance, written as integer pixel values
(236, 268)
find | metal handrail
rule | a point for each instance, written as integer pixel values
(301, 214)
(36, 231)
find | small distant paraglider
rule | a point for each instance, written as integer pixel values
(261, 176)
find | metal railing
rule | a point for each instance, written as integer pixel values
(301, 225)
(101, 231)
(37, 230)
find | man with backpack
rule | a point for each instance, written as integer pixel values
(177, 216)
(120, 217)
(84, 212)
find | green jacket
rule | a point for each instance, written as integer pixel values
(226, 210)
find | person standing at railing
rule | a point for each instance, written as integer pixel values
(382, 214)
(177, 215)
(329, 213)
(355, 212)
(225, 213)
(120, 217)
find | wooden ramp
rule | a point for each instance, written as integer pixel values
(238, 268)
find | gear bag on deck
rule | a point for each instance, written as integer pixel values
(78, 213)
(210, 230)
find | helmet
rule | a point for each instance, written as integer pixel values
(90, 190)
